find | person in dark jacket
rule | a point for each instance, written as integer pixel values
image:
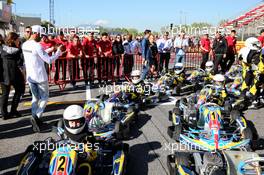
(219, 49)
(11, 75)
(118, 50)
(153, 62)
(146, 55)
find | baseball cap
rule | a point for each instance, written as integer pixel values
(38, 29)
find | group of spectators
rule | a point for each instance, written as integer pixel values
(222, 49)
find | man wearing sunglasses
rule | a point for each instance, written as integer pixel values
(27, 34)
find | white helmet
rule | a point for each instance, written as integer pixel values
(243, 54)
(209, 66)
(253, 43)
(219, 79)
(178, 68)
(74, 113)
(135, 76)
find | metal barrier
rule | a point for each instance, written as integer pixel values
(72, 70)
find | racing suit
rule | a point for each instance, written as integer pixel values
(259, 79)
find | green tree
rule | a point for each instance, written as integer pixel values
(222, 22)
(46, 25)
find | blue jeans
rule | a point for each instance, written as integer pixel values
(145, 71)
(179, 59)
(40, 96)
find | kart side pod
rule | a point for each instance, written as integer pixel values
(119, 160)
(29, 163)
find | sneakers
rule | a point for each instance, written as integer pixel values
(35, 123)
(6, 117)
(15, 113)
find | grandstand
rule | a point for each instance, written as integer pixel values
(248, 23)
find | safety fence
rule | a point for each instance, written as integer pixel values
(114, 68)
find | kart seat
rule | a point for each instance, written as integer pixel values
(106, 112)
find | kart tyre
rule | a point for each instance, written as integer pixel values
(174, 132)
(177, 104)
(247, 134)
(178, 90)
(179, 158)
(171, 164)
(176, 111)
(170, 115)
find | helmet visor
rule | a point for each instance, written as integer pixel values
(75, 124)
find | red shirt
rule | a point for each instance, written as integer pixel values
(74, 50)
(231, 44)
(64, 43)
(261, 39)
(47, 45)
(206, 44)
(90, 47)
(106, 47)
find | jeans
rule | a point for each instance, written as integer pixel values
(179, 59)
(164, 57)
(40, 96)
(145, 71)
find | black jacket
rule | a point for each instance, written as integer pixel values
(11, 59)
(118, 48)
(220, 47)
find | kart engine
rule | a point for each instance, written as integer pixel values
(212, 164)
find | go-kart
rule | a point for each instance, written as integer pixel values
(208, 129)
(140, 97)
(69, 158)
(111, 117)
(210, 93)
(215, 163)
(178, 87)
(107, 121)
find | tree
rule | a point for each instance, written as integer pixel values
(200, 25)
(47, 25)
(222, 22)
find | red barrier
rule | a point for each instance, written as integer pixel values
(72, 70)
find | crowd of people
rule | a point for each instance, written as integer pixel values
(35, 52)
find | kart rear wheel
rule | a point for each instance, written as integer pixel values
(176, 111)
(247, 134)
(174, 132)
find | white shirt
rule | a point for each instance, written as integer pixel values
(136, 47)
(164, 45)
(35, 56)
(179, 44)
(128, 47)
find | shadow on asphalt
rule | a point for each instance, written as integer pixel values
(135, 131)
(10, 162)
(258, 144)
(140, 155)
(23, 126)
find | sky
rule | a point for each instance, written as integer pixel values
(139, 14)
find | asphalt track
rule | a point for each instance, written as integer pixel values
(149, 142)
